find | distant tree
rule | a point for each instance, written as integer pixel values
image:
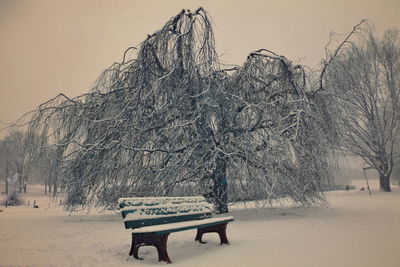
(28, 158)
(168, 120)
(45, 164)
(396, 166)
(14, 158)
(364, 79)
(4, 164)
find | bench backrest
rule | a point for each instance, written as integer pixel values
(147, 211)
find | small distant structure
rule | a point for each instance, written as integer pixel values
(13, 184)
(396, 172)
(12, 197)
(366, 167)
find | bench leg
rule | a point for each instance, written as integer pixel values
(162, 249)
(132, 246)
(199, 236)
(158, 241)
(134, 249)
(220, 229)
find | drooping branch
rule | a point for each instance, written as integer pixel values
(168, 120)
(330, 56)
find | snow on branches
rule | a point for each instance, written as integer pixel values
(167, 120)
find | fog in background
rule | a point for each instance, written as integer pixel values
(49, 47)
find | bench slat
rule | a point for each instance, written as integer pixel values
(180, 226)
(133, 213)
(165, 220)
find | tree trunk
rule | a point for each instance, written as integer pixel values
(7, 175)
(20, 180)
(6, 186)
(54, 187)
(25, 182)
(220, 185)
(384, 182)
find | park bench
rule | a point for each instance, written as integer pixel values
(154, 218)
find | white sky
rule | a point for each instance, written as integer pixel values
(48, 47)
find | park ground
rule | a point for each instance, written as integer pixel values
(355, 229)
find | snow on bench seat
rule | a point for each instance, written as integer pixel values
(141, 212)
(155, 201)
(160, 211)
(180, 226)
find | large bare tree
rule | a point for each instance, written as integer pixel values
(167, 120)
(364, 78)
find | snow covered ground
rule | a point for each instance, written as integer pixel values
(354, 230)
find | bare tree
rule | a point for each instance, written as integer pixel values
(15, 158)
(45, 164)
(396, 165)
(364, 78)
(4, 164)
(168, 120)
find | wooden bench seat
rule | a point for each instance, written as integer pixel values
(180, 226)
(154, 218)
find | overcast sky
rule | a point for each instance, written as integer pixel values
(49, 47)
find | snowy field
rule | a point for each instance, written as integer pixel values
(354, 230)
